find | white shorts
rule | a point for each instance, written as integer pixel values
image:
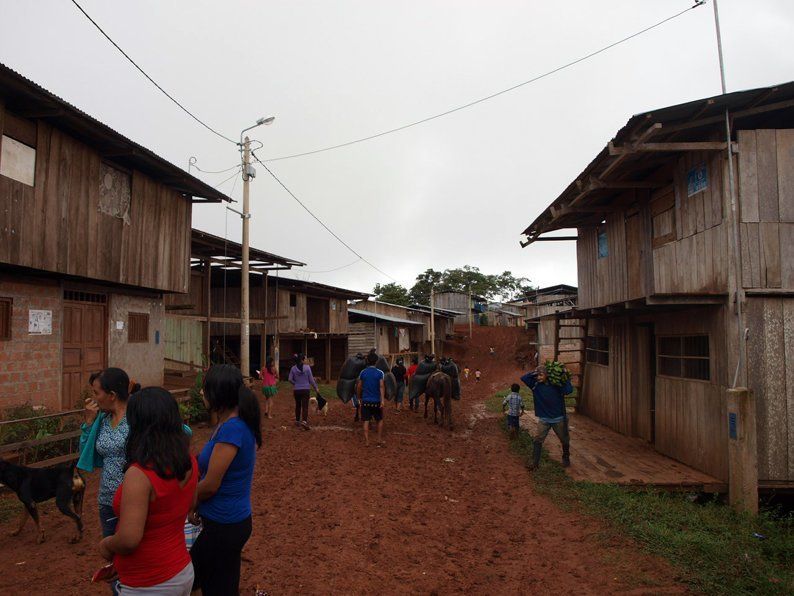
(179, 585)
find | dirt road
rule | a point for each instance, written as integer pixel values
(432, 513)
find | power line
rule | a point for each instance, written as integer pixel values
(151, 80)
(329, 230)
(192, 164)
(239, 169)
(334, 269)
(493, 95)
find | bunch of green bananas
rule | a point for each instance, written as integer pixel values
(557, 373)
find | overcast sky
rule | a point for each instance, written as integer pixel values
(455, 191)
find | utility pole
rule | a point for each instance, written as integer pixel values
(471, 305)
(245, 365)
(738, 294)
(432, 322)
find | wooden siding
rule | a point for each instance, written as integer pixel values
(56, 226)
(771, 377)
(184, 340)
(602, 280)
(689, 414)
(361, 338)
(766, 194)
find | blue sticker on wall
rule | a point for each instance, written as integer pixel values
(732, 425)
(157, 338)
(697, 180)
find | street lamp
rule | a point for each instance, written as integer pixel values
(248, 173)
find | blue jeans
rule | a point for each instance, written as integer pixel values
(108, 522)
(398, 395)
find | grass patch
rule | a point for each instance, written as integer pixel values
(712, 546)
(494, 404)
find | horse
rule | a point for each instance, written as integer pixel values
(439, 389)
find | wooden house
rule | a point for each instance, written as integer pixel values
(94, 231)
(663, 263)
(286, 316)
(391, 329)
(462, 303)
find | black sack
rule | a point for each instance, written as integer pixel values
(345, 388)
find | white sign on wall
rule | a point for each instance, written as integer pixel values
(40, 322)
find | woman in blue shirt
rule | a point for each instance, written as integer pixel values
(226, 465)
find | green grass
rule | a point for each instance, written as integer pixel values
(711, 545)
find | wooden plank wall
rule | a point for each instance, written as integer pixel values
(690, 414)
(771, 377)
(607, 391)
(766, 200)
(194, 298)
(696, 262)
(184, 339)
(57, 227)
(361, 338)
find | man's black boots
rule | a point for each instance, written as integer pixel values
(566, 456)
(537, 448)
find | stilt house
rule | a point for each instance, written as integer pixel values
(664, 260)
(94, 232)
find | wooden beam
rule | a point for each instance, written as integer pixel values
(684, 146)
(671, 300)
(753, 111)
(628, 184)
(555, 238)
(643, 137)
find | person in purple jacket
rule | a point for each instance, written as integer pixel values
(549, 401)
(300, 375)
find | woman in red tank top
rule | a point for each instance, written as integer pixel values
(159, 488)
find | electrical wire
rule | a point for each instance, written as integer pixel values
(192, 164)
(151, 80)
(334, 269)
(239, 169)
(309, 211)
(492, 95)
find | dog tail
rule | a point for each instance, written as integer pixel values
(78, 482)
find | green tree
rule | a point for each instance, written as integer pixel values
(420, 291)
(393, 293)
(504, 286)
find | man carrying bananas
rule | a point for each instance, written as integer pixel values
(549, 403)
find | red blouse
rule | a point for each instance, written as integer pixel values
(161, 553)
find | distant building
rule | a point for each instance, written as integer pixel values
(462, 304)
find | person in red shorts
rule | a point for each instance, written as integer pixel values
(413, 403)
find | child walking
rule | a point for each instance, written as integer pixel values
(477, 374)
(269, 387)
(514, 404)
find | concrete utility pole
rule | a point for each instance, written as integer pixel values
(471, 305)
(738, 294)
(248, 173)
(432, 322)
(245, 365)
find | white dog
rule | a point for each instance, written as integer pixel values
(313, 403)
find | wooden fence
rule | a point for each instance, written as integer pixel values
(53, 428)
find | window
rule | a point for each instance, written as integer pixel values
(597, 349)
(663, 218)
(684, 356)
(5, 318)
(138, 327)
(293, 300)
(603, 244)
(18, 149)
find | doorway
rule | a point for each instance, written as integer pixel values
(643, 380)
(84, 343)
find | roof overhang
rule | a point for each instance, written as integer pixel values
(365, 314)
(636, 157)
(221, 252)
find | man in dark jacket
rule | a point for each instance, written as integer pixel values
(550, 409)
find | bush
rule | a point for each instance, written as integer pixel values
(193, 410)
(40, 427)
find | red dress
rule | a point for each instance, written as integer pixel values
(161, 553)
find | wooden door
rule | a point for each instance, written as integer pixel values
(84, 347)
(643, 379)
(634, 257)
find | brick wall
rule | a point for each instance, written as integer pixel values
(30, 365)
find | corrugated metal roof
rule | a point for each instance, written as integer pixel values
(380, 317)
(765, 107)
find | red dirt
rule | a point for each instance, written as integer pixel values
(433, 512)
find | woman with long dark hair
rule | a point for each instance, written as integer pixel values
(159, 488)
(226, 464)
(104, 437)
(302, 379)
